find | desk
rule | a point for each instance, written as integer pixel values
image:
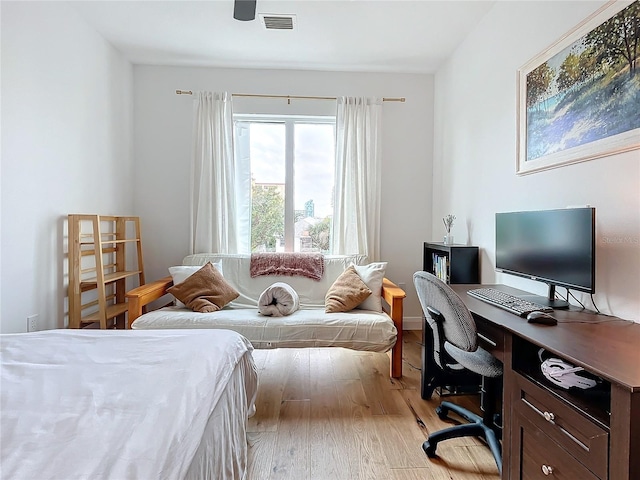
(548, 432)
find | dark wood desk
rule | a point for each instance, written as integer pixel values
(548, 431)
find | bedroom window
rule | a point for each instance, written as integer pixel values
(291, 162)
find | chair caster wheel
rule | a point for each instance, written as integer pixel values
(429, 449)
(442, 412)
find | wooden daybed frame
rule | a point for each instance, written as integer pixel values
(140, 297)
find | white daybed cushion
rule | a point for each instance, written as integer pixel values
(117, 404)
(357, 329)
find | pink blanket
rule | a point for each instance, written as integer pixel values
(310, 265)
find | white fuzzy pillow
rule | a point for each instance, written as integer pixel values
(372, 275)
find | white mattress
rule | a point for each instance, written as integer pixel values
(121, 404)
(357, 329)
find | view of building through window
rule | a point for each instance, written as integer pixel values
(292, 182)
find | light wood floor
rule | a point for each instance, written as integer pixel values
(332, 413)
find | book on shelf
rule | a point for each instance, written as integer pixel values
(440, 265)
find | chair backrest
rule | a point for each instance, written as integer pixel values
(456, 323)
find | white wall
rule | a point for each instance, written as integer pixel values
(163, 147)
(66, 148)
(474, 159)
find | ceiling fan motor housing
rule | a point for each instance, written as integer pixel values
(244, 10)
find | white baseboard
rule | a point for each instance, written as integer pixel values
(412, 323)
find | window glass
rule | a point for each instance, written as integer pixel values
(267, 158)
(292, 181)
(313, 186)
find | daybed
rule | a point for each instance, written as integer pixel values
(80, 404)
(310, 326)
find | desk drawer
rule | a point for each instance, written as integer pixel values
(581, 438)
(542, 458)
(490, 337)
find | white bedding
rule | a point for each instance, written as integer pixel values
(124, 405)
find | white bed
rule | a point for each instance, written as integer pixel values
(166, 404)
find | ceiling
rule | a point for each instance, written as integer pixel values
(413, 36)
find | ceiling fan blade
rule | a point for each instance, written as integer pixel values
(244, 10)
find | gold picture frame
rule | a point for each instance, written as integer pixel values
(578, 100)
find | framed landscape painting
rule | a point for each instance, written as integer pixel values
(580, 99)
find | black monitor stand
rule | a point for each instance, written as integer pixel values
(549, 300)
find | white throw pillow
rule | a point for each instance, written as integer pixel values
(372, 275)
(181, 272)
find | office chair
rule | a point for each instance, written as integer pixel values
(456, 341)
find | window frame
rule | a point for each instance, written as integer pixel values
(289, 122)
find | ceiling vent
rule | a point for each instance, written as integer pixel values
(277, 21)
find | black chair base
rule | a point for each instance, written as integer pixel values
(475, 428)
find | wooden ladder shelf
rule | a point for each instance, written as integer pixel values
(102, 258)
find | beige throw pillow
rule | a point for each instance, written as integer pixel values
(180, 273)
(346, 292)
(204, 291)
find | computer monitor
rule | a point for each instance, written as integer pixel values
(557, 247)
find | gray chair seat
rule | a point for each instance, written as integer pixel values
(479, 361)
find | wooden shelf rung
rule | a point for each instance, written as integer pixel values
(122, 240)
(109, 298)
(92, 251)
(109, 277)
(112, 311)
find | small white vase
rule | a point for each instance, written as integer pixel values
(448, 239)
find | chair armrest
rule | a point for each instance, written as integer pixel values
(394, 296)
(145, 294)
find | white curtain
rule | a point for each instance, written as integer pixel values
(213, 180)
(356, 221)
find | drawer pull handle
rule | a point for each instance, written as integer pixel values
(547, 470)
(548, 416)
